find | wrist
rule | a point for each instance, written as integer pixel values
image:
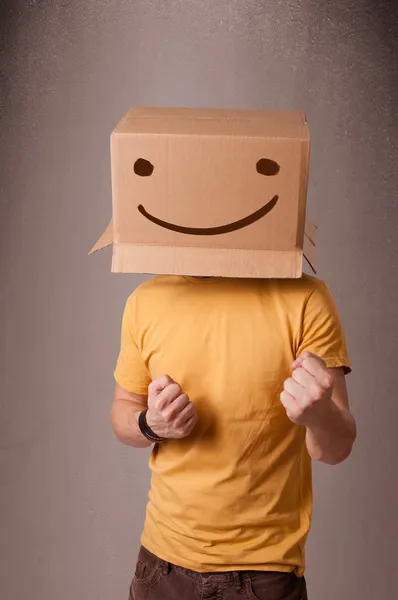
(146, 428)
(324, 419)
(151, 422)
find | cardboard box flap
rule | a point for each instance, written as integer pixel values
(105, 240)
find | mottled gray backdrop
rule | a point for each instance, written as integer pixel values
(72, 499)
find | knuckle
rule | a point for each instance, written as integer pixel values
(180, 431)
(297, 375)
(169, 415)
(159, 405)
(288, 382)
(164, 380)
(317, 393)
(152, 386)
(180, 421)
(308, 401)
(160, 382)
(175, 388)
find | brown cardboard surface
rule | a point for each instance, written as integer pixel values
(310, 231)
(105, 240)
(309, 244)
(209, 192)
(202, 122)
(206, 261)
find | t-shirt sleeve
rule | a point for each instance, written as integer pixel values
(131, 372)
(322, 332)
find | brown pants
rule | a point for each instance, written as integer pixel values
(156, 579)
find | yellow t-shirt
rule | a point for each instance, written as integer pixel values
(237, 493)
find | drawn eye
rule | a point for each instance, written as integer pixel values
(143, 167)
(266, 166)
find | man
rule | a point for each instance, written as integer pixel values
(240, 382)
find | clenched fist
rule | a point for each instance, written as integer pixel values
(170, 412)
(307, 394)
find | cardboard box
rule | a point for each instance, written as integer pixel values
(210, 193)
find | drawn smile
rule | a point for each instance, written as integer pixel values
(249, 220)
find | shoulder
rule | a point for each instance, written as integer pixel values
(316, 297)
(295, 297)
(303, 288)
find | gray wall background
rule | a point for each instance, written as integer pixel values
(72, 499)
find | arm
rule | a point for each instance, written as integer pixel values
(125, 410)
(316, 397)
(170, 413)
(331, 440)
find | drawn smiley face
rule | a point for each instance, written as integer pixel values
(264, 166)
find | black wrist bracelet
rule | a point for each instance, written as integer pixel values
(146, 430)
